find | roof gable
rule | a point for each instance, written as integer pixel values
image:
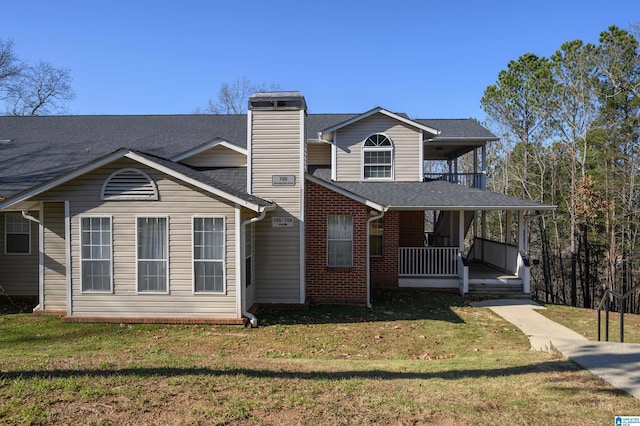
(379, 110)
(207, 146)
(178, 171)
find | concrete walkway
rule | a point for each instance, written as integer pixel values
(616, 363)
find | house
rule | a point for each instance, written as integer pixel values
(200, 217)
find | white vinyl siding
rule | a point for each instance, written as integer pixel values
(318, 154)
(276, 149)
(19, 274)
(208, 254)
(248, 252)
(218, 156)
(55, 289)
(406, 148)
(96, 254)
(17, 234)
(179, 203)
(340, 241)
(152, 242)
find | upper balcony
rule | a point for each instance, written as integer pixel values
(462, 162)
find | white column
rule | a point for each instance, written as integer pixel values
(461, 231)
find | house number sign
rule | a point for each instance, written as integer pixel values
(283, 180)
(282, 222)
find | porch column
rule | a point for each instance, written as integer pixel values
(483, 164)
(464, 271)
(523, 247)
(508, 240)
(461, 231)
(508, 225)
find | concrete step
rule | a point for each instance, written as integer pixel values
(497, 291)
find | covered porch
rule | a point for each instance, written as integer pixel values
(475, 263)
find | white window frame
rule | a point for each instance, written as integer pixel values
(223, 260)
(166, 254)
(390, 149)
(329, 240)
(6, 233)
(80, 230)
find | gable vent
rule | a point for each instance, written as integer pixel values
(129, 184)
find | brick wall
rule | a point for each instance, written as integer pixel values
(349, 285)
(384, 270)
(412, 229)
(334, 285)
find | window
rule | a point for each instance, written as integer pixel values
(208, 254)
(377, 153)
(153, 254)
(375, 238)
(340, 240)
(17, 233)
(95, 253)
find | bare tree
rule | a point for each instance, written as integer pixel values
(41, 89)
(233, 97)
(10, 66)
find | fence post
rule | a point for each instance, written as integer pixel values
(622, 309)
(599, 323)
(606, 321)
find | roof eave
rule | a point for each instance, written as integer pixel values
(463, 139)
(373, 111)
(346, 193)
(474, 208)
(122, 153)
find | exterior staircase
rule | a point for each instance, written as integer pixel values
(489, 283)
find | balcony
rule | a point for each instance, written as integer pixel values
(471, 180)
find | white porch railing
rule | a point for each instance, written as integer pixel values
(427, 261)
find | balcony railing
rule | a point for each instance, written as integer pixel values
(427, 261)
(472, 180)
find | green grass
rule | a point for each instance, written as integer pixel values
(415, 358)
(585, 322)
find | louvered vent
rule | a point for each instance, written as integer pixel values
(129, 184)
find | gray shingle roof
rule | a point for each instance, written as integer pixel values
(449, 128)
(226, 180)
(458, 128)
(433, 195)
(42, 148)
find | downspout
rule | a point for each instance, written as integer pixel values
(27, 216)
(252, 318)
(371, 219)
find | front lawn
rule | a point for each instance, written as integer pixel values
(415, 358)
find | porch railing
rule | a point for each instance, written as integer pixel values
(427, 261)
(472, 180)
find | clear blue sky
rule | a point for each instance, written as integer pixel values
(430, 59)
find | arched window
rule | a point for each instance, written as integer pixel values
(377, 157)
(129, 184)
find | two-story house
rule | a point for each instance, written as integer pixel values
(200, 217)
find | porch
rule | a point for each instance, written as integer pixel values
(489, 268)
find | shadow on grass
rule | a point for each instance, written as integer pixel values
(388, 305)
(281, 374)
